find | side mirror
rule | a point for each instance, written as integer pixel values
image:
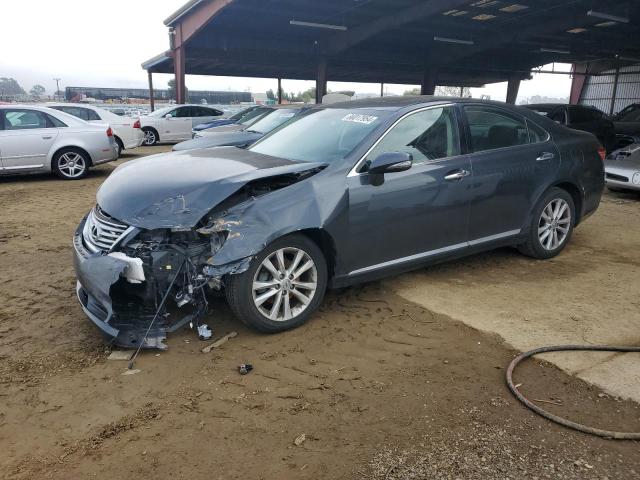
(390, 162)
(168, 115)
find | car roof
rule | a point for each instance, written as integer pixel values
(401, 102)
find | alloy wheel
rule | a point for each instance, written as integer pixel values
(284, 284)
(149, 137)
(554, 224)
(72, 164)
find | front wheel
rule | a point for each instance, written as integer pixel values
(283, 286)
(552, 225)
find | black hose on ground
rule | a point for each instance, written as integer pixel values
(555, 418)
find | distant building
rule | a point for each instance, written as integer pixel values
(77, 94)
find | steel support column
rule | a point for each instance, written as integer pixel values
(152, 100)
(513, 86)
(279, 91)
(614, 94)
(321, 80)
(429, 79)
(382, 89)
(577, 84)
(179, 69)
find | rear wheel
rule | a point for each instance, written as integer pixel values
(120, 146)
(150, 136)
(552, 225)
(71, 164)
(283, 286)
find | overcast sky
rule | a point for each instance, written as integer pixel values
(102, 44)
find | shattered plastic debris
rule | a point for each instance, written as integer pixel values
(245, 368)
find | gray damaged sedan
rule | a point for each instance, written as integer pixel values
(347, 193)
(622, 169)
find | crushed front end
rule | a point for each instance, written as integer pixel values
(138, 285)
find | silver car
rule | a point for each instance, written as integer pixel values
(39, 139)
(622, 168)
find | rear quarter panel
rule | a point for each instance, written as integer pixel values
(582, 166)
(93, 140)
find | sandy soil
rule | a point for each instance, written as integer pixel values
(590, 294)
(382, 388)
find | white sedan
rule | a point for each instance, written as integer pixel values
(127, 131)
(174, 124)
(37, 139)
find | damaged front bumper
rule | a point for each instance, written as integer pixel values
(123, 295)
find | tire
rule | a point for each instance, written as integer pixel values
(71, 163)
(120, 146)
(150, 136)
(542, 244)
(253, 307)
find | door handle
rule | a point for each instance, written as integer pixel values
(456, 175)
(545, 156)
(46, 137)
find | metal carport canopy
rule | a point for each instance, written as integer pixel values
(427, 42)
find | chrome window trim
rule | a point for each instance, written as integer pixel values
(354, 171)
(437, 251)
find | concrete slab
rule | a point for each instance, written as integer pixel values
(590, 294)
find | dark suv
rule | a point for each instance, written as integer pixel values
(580, 117)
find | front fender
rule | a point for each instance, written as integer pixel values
(254, 224)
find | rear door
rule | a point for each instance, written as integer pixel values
(408, 217)
(512, 159)
(202, 115)
(26, 139)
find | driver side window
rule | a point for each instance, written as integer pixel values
(427, 135)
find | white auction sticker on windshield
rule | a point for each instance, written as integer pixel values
(359, 118)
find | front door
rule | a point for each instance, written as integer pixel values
(27, 137)
(406, 217)
(511, 158)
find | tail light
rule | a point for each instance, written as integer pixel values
(136, 124)
(109, 132)
(602, 152)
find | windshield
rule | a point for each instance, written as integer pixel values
(162, 112)
(321, 136)
(273, 120)
(255, 115)
(245, 111)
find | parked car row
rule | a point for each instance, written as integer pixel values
(127, 131)
(242, 135)
(336, 195)
(40, 139)
(175, 123)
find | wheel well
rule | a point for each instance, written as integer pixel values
(325, 243)
(119, 140)
(62, 149)
(574, 191)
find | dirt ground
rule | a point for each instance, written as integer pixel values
(382, 388)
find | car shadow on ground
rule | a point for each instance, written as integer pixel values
(95, 172)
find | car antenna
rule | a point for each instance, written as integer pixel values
(164, 298)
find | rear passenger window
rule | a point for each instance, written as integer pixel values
(492, 129)
(427, 135)
(536, 134)
(93, 115)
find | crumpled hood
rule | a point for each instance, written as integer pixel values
(219, 140)
(177, 189)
